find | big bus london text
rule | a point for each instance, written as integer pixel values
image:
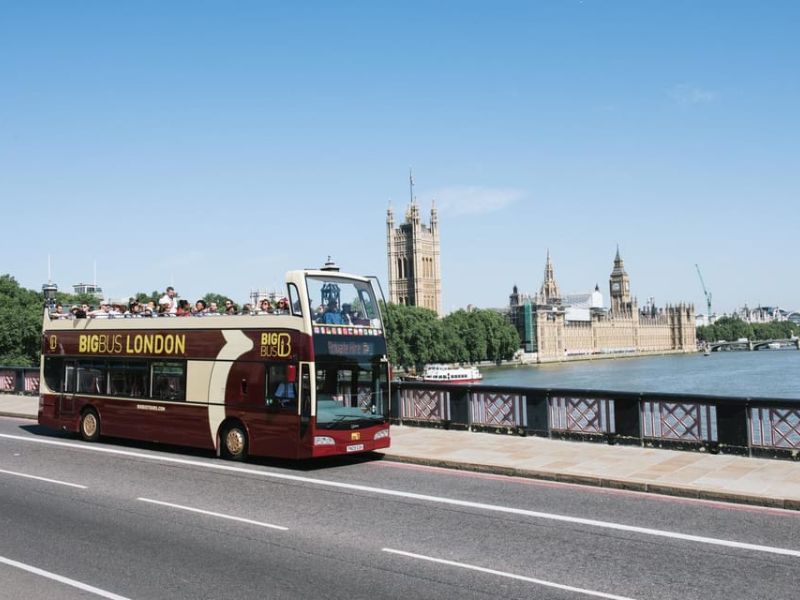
(308, 383)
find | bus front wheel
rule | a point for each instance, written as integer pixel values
(90, 425)
(234, 442)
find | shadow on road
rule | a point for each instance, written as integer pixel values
(305, 465)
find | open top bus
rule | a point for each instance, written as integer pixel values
(312, 382)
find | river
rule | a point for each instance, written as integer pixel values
(767, 373)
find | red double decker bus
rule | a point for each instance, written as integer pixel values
(311, 382)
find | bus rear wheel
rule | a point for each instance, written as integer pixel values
(90, 425)
(233, 444)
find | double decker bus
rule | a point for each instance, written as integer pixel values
(308, 383)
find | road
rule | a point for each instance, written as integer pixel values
(131, 521)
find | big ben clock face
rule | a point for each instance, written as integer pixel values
(615, 286)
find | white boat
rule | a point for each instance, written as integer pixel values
(451, 374)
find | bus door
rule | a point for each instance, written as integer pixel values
(66, 401)
(281, 425)
(59, 377)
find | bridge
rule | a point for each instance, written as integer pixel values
(792, 342)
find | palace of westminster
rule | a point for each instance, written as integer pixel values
(551, 326)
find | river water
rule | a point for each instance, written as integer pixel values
(766, 373)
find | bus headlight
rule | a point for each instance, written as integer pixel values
(383, 433)
(324, 440)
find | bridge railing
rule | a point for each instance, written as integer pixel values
(19, 380)
(768, 427)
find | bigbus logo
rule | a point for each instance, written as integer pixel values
(276, 345)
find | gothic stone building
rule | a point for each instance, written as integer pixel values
(559, 328)
(413, 251)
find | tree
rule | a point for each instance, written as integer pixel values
(21, 313)
(417, 337)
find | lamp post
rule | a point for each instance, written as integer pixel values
(49, 290)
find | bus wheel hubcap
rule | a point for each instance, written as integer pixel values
(235, 441)
(89, 425)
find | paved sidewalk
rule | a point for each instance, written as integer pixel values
(758, 481)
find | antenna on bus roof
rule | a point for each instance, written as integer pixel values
(330, 265)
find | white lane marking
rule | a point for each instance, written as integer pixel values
(61, 579)
(542, 582)
(422, 497)
(75, 485)
(214, 514)
(590, 489)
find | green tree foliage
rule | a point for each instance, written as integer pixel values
(733, 328)
(417, 337)
(21, 314)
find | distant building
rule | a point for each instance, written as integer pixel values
(762, 314)
(558, 327)
(413, 253)
(88, 288)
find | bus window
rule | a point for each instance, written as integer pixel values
(129, 378)
(169, 381)
(91, 377)
(281, 389)
(294, 300)
(54, 373)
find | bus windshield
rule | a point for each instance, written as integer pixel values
(352, 395)
(338, 301)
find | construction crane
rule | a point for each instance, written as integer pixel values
(705, 291)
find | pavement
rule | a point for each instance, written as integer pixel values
(755, 481)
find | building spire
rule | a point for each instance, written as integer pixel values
(549, 292)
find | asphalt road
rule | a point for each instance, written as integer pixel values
(122, 520)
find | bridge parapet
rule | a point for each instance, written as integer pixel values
(768, 427)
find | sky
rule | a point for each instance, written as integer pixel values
(216, 145)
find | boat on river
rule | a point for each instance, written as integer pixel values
(451, 374)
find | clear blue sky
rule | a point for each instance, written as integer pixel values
(217, 145)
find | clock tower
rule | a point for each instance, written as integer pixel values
(620, 287)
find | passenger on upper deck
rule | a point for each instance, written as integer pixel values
(200, 308)
(230, 307)
(332, 316)
(134, 309)
(102, 312)
(247, 309)
(58, 312)
(168, 303)
(265, 307)
(213, 310)
(283, 306)
(184, 309)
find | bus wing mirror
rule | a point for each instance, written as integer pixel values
(291, 373)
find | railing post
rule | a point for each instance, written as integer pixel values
(394, 402)
(536, 410)
(732, 428)
(459, 408)
(628, 419)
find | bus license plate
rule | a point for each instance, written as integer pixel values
(355, 447)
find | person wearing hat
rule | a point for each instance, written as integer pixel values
(102, 312)
(283, 306)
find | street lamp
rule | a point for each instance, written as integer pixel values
(49, 290)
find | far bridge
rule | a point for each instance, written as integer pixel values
(792, 342)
